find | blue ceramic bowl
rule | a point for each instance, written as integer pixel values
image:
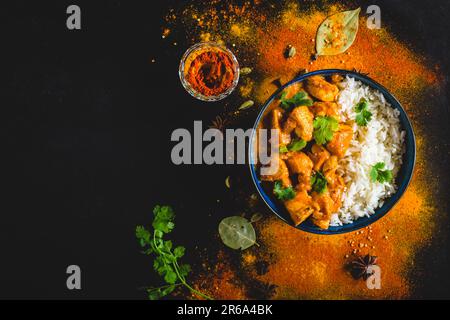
(403, 177)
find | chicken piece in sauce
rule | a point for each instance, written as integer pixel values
(341, 140)
(321, 220)
(329, 170)
(336, 193)
(303, 119)
(292, 90)
(336, 78)
(284, 138)
(321, 89)
(282, 174)
(318, 155)
(322, 217)
(300, 164)
(335, 182)
(301, 207)
(321, 109)
(289, 125)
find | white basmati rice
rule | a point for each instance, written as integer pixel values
(380, 141)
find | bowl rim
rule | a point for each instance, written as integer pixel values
(362, 222)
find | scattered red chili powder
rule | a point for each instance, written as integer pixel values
(303, 265)
(210, 72)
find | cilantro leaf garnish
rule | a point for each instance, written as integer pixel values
(166, 262)
(361, 105)
(295, 145)
(163, 220)
(363, 116)
(284, 149)
(378, 174)
(324, 128)
(283, 193)
(318, 182)
(299, 99)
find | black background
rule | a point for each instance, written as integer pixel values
(86, 126)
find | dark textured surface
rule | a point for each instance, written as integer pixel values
(86, 124)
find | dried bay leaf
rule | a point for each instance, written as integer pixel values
(237, 233)
(337, 32)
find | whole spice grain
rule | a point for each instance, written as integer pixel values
(291, 51)
(359, 268)
(245, 71)
(228, 182)
(247, 104)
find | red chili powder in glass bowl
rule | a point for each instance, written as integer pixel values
(209, 71)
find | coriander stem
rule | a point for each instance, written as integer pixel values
(176, 267)
(168, 285)
(161, 287)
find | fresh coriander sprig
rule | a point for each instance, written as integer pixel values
(363, 116)
(283, 193)
(324, 127)
(318, 182)
(295, 145)
(378, 174)
(299, 99)
(166, 262)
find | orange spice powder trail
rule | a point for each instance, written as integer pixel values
(312, 266)
(375, 52)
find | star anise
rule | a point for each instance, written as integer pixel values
(359, 267)
(219, 123)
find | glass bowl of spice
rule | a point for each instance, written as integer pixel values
(209, 71)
